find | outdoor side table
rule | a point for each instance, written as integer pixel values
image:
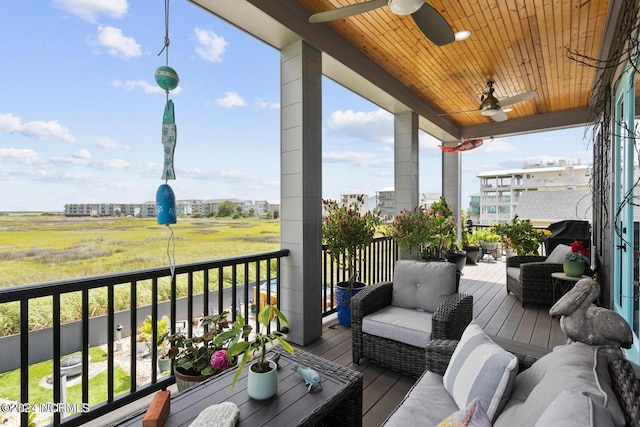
(563, 283)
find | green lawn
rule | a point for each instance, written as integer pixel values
(37, 372)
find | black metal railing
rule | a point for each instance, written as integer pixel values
(194, 289)
(113, 306)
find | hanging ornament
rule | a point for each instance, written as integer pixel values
(465, 145)
(166, 205)
(167, 78)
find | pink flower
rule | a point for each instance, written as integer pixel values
(219, 360)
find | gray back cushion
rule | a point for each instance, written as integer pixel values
(423, 285)
(558, 254)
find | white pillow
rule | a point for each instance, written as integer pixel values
(481, 369)
(558, 254)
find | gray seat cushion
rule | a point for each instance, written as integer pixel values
(422, 285)
(405, 325)
(514, 273)
(426, 404)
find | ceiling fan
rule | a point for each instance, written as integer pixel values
(491, 106)
(427, 19)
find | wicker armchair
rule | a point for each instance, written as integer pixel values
(529, 278)
(448, 322)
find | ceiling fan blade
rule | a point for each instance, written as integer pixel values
(517, 98)
(433, 25)
(343, 12)
(499, 116)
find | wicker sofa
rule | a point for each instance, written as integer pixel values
(392, 322)
(574, 386)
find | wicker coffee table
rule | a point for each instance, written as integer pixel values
(337, 402)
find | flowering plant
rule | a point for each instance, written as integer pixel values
(202, 354)
(521, 236)
(347, 231)
(431, 230)
(579, 253)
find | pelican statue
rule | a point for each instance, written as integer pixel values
(584, 322)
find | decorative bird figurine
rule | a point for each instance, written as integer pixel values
(589, 324)
(310, 377)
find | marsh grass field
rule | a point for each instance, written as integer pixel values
(37, 248)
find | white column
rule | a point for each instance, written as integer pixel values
(301, 190)
(406, 166)
(451, 187)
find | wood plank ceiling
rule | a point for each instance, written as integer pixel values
(522, 45)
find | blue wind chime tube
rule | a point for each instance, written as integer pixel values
(167, 78)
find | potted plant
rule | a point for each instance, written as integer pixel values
(425, 232)
(162, 333)
(520, 236)
(347, 231)
(576, 260)
(470, 243)
(262, 380)
(489, 241)
(203, 356)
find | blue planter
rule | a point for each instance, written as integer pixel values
(343, 300)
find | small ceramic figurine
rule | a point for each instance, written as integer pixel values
(310, 377)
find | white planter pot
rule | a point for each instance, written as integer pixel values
(261, 386)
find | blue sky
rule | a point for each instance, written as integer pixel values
(81, 114)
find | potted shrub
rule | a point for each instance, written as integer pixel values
(202, 356)
(262, 380)
(162, 333)
(520, 236)
(470, 243)
(411, 230)
(576, 260)
(347, 231)
(489, 241)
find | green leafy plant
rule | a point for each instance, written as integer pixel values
(431, 230)
(245, 350)
(162, 327)
(520, 235)
(200, 355)
(347, 231)
(485, 235)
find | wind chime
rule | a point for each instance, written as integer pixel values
(167, 78)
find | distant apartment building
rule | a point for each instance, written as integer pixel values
(386, 203)
(147, 209)
(500, 191)
(348, 198)
(102, 209)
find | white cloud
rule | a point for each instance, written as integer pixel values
(374, 125)
(230, 100)
(262, 104)
(26, 156)
(148, 88)
(107, 143)
(356, 158)
(37, 129)
(82, 154)
(497, 145)
(116, 43)
(210, 46)
(89, 10)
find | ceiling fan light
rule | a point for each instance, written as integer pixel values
(490, 111)
(405, 7)
(462, 35)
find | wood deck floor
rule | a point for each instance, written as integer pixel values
(498, 313)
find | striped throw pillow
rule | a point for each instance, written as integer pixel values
(480, 369)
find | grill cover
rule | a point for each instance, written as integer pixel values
(565, 232)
